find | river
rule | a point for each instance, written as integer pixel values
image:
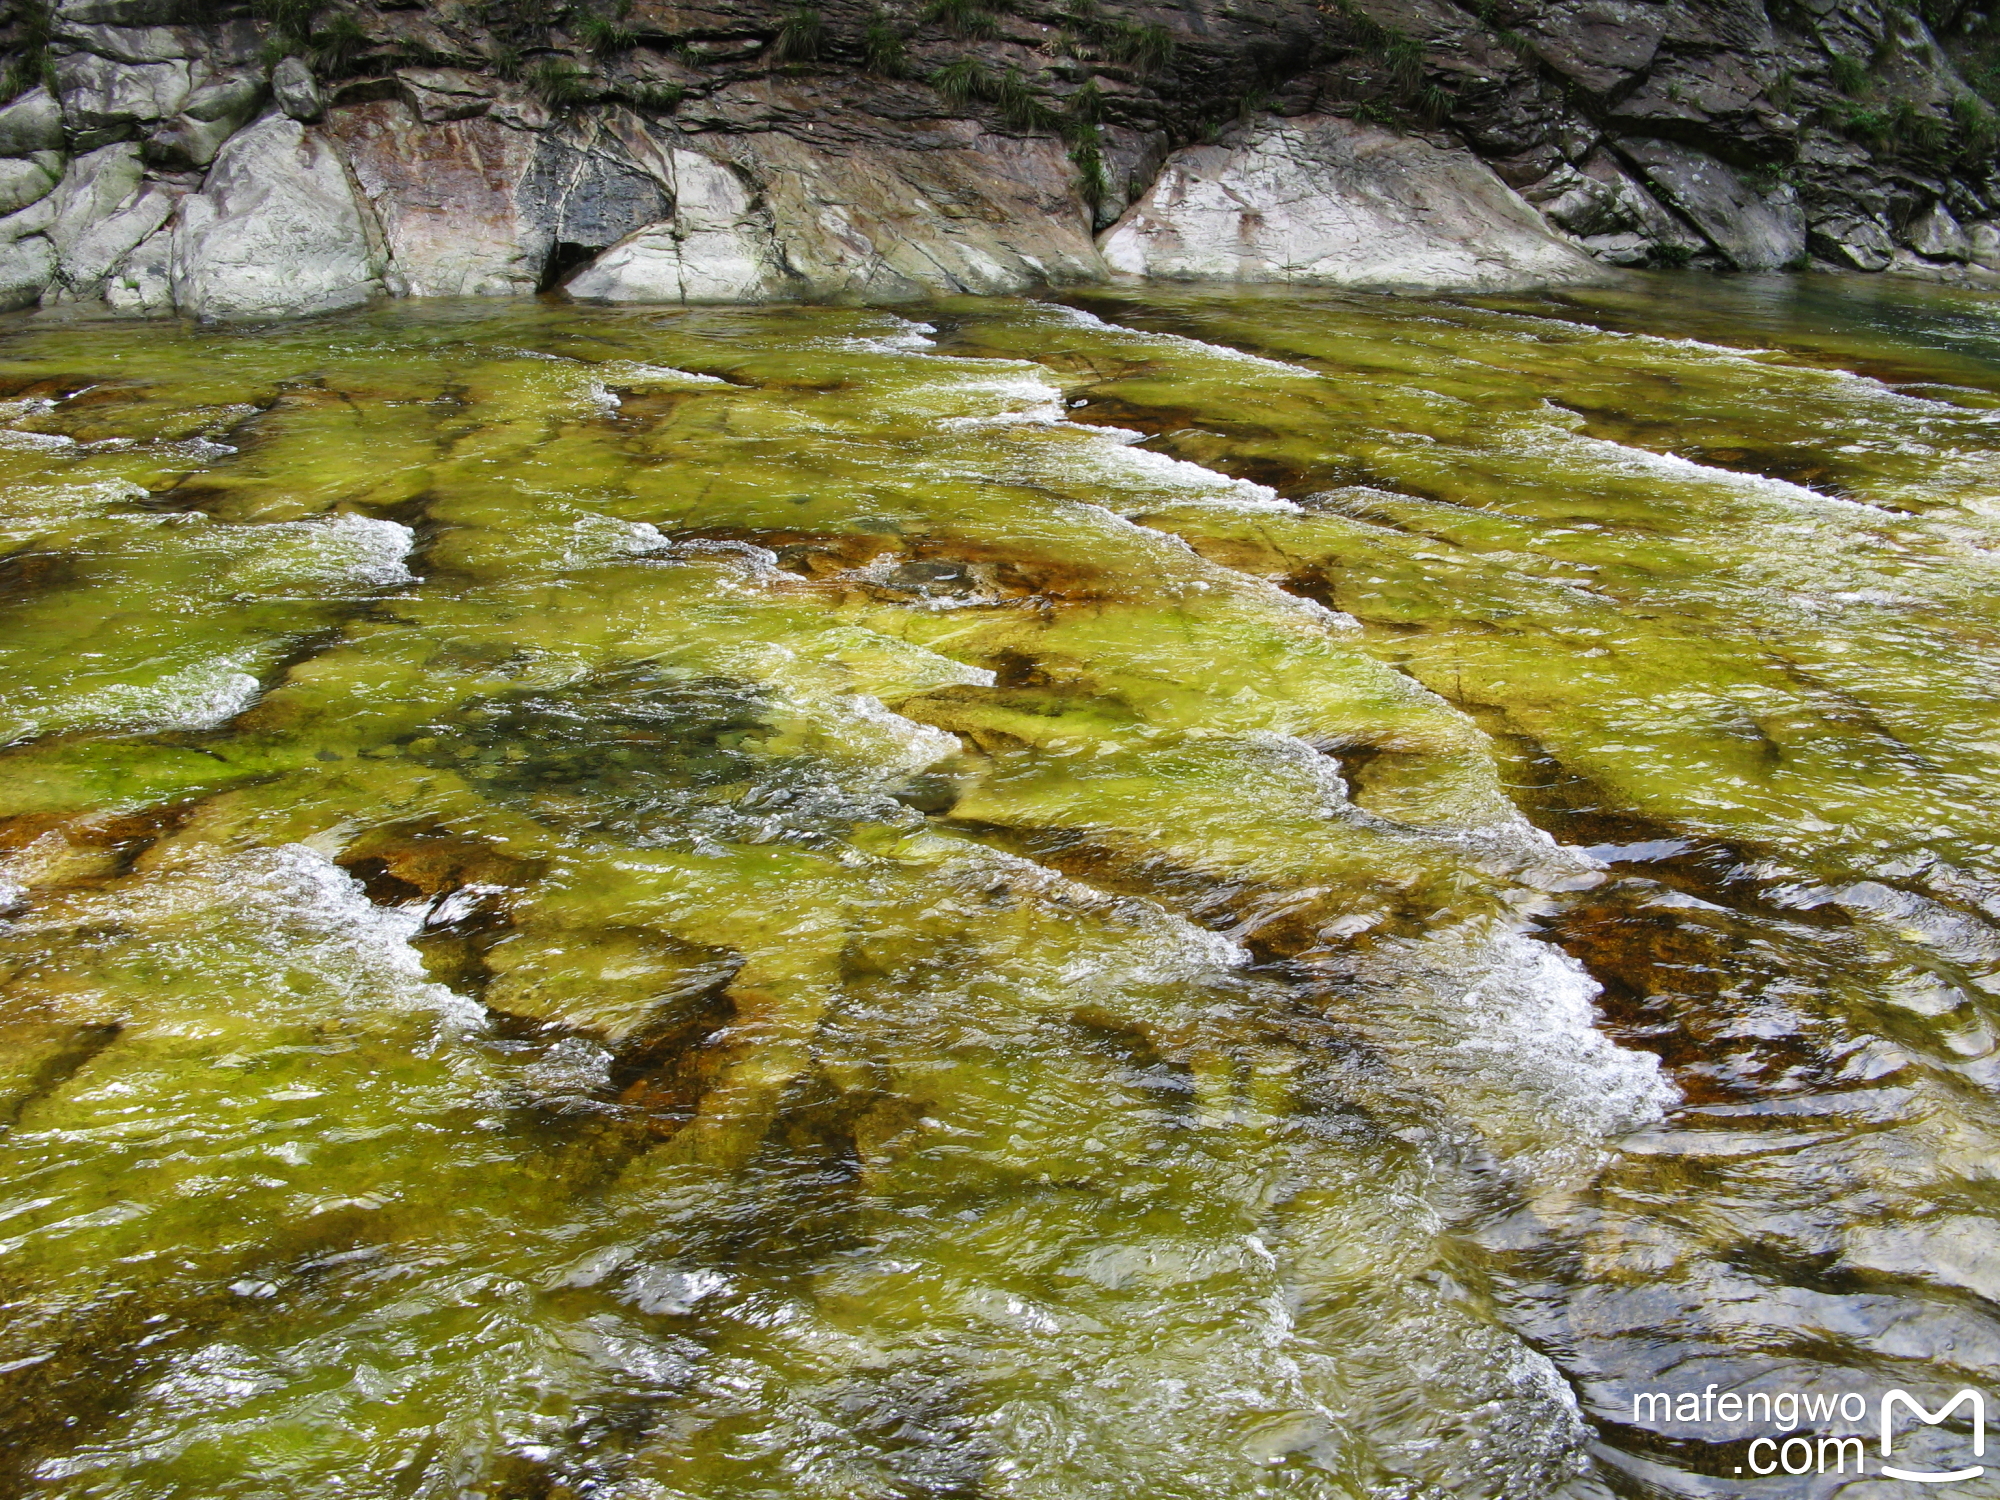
(1147, 893)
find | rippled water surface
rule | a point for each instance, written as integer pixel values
(1169, 896)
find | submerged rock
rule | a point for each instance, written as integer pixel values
(1331, 202)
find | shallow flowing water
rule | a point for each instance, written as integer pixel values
(1170, 896)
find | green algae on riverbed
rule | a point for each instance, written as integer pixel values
(789, 902)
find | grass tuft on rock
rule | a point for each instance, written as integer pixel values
(970, 19)
(30, 63)
(559, 83)
(882, 47)
(605, 35)
(801, 37)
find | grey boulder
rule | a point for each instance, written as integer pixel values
(142, 285)
(209, 117)
(128, 44)
(1620, 249)
(1614, 216)
(103, 207)
(441, 94)
(118, 12)
(296, 90)
(274, 232)
(27, 259)
(31, 123)
(1755, 231)
(1983, 245)
(1601, 44)
(104, 101)
(1331, 202)
(713, 250)
(25, 180)
(1857, 243)
(1938, 236)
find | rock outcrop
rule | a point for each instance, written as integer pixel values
(715, 248)
(1750, 230)
(236, 160)
(1326, 201)
(275, 230)
(447, 195)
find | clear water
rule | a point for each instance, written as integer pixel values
(1208, 896)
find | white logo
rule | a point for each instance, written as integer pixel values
(1931, 1419)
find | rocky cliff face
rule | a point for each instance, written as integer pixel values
(233, 160)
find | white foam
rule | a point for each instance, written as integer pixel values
(325, 921)
(360, 549)
(34, 442)
(290, 909)
(903, 337)
(199, 450)
(1332, 619)
(38, 504)
(1148, 479)
(987, 393)
(633, 373)
(599, 539)
(895, 746)
(670, 1292)
(1637, 461)
(1505, 1027)
(596, 389)
(204, 695)
(326, 554)
(571, 1069)
(761, 563)
(1077, 318)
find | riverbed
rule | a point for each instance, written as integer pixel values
(1136, 893)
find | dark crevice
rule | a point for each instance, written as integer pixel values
(301, 651)
(565, 260)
